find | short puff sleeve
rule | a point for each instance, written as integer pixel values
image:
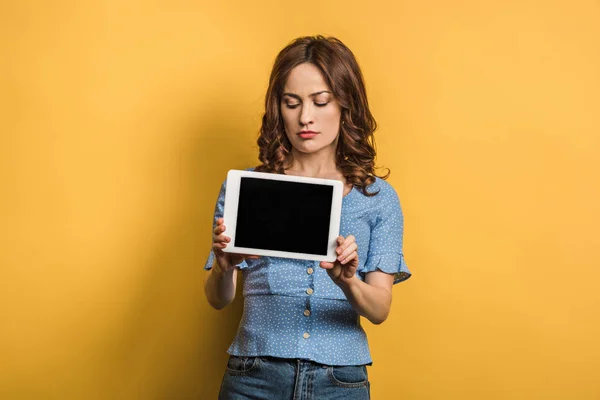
(385, 244)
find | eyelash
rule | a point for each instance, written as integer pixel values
(296, 105)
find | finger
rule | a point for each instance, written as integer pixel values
(351, 257)
(351, 247)
(349, 239)
(344, 245)
(253, 256)
(340, 242)
(326, 265)
(221, 239)
(219, 229)
(219, 246)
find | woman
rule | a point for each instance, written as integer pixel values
(300, 335)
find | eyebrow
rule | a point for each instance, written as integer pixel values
(310, 95)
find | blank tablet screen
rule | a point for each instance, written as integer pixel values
(283, 216)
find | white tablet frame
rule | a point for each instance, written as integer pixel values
(232, 193)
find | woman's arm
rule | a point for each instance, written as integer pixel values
(372, 298)
(219, 286)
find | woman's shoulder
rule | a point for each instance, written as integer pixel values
(384, 188)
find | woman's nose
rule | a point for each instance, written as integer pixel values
(306, 116)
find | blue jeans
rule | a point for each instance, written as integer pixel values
(266, 378)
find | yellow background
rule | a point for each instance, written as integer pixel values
(119, 120)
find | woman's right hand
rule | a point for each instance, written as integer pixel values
(226, 261)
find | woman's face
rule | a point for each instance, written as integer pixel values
(308, 105)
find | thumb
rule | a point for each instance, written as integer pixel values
(326, 265)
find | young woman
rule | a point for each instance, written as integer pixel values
(300, 335)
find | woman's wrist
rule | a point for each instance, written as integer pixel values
(219, 269)
(349, 285)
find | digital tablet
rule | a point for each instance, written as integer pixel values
(281, 215)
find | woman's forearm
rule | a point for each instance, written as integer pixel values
(219, 286)
(369, 301)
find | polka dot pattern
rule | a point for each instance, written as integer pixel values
(279, 291)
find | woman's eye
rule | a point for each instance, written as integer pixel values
(292, 106)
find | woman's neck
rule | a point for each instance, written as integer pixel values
(313, 165)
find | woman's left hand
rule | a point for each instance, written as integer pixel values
(344, 268)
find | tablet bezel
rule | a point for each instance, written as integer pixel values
(232, 193)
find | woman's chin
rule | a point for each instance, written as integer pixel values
(308, 151)
(308, 147)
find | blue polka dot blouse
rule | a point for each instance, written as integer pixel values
(292, 308)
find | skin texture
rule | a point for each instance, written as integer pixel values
(309, 104)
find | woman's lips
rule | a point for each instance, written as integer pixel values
(307, 135)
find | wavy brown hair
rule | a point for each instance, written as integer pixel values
(355, 154)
